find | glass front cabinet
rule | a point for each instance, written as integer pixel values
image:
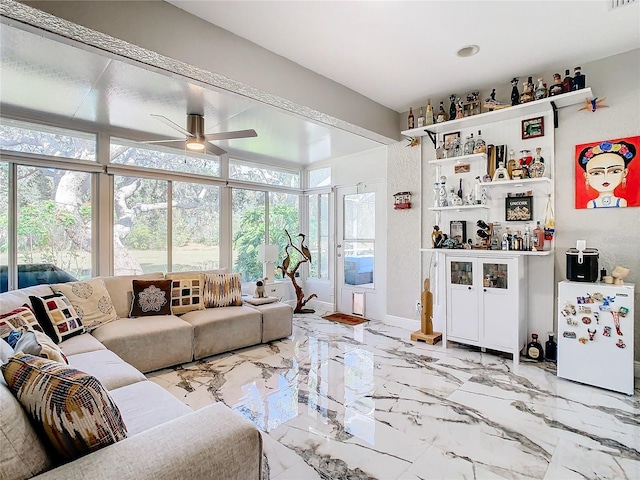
(486, 304)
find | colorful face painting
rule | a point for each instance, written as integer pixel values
(608, 174)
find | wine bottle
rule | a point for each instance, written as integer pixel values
(410, 120)
(567, 83)
(551, 349)
(421, 118)
(534, 348)
(429, 117)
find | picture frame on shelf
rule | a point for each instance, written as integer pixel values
(532, 128)
(461, 168)
(458, 230)
(518, 209)
(449, 139)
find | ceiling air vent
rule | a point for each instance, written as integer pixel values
(613, 4)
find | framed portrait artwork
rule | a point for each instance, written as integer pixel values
(532, 128)
(607, 173)
(449, 139)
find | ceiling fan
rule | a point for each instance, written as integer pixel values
(196, 140)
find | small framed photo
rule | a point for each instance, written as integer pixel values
(461, 168)
(518, 209)
(532, 128)
(458, 230)
(449, 138)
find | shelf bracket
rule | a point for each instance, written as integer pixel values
(433, 137)
(555, 114)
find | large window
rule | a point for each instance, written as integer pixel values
(253, 172)
(320, 177)
(54, 221)
(248, 230)
(125, 152)
(4, 226)
(319, 235)
(25, 137)
(196, 227)
(283, 215)
(140, 225)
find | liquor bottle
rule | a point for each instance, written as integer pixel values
(480, 146)
(469, 145)
(452, 106)
(410, 122)
(421, 118)
(537, 168)
(551, 349)
(515, 95)
(534, 348)
(567, 83)
(556, 88)
(441, 153)
(526, 238)
(429, 117)
(460, 189)
(541, 90)
(579, 80)
(442, 115)
(511, 164)
(538, 237)
(436, 194)
(527, 94)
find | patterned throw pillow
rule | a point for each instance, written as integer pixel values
(72, 408)
(17, 319)
(151, 297)
(39, 345)
(91, 301)
(187, 290)
(222, 290)
(57, 316)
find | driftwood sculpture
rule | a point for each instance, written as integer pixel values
(304, 256)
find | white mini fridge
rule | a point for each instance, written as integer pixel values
(595, 334)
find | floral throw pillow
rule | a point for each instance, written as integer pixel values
(151, 297)
(91, 300)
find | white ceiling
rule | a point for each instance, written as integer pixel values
(42, 78)
(398, 53)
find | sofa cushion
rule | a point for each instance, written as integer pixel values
(22, 452)
(145, 404)
(91, 301)
(81, 344)
(6, 352)
(16, 319)
(39, 345)
(187, 291)
(217, 330)
(121, 292)
(17, 298)
(57, 316)
(73, 410)
(148, 343)
(107, 367)
(277, 320)
(151, 297)
(223, 290)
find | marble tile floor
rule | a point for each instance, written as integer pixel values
(340, 402)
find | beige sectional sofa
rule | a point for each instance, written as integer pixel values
(166, 438)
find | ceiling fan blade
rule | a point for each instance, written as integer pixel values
(171, 124)
(169, 143)
(214, 149)
(164, 141)
(230, 135)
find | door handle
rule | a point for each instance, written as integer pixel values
(339, 245)
(339, 254)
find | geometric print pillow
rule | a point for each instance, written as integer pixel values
(223, 290)
(57, 316)
(72, 408)
(21, 317)
(186, 292)
(150, 297)
(90, 299)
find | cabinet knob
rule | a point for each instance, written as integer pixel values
(469, 287)
(484, 289)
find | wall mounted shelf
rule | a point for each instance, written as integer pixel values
(460, 208)
(460, 159)
(486, 253)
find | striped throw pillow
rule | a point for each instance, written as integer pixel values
(224, 290)
(72, 408)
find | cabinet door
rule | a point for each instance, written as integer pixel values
(499, 302)
(462, 299)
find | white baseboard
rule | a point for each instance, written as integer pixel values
(636, 369)
(318, 305)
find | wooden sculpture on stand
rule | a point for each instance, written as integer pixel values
(289, 269)
(426, 333)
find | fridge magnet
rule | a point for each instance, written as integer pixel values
(596, 315)
(583, 340)
(569, 334)
(623, 311)
(586, 320)
(597, 297)
(607, 331)
(620, 343)
(607, 173)
(583, 309)
(592, 333)
(532, 128)
(571, 322)
(616, 323)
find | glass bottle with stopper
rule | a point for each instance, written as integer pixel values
(537, 168)
(480, 146)
(541, 90)
(534, 348)
(442, 115)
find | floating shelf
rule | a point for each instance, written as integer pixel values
(487, 253)
(517, 183)
(530, 108)
(460, 208)
(460, 159)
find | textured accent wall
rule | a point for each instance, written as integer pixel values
(403, 230)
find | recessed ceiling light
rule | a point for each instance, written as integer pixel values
(468, 51)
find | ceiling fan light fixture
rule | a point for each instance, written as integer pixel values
(195, 144)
